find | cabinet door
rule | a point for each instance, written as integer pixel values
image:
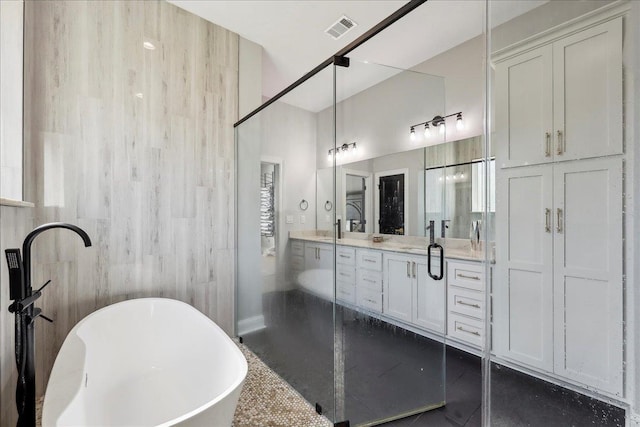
(310, 256)
(587, 78)
(325, 257)
(524, 112)
(429, 303)
(398, 288)
(523, 299)
(588, 273)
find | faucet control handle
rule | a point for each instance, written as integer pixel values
(43, 286)
(38, 313)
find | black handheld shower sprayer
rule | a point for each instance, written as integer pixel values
(24, 298)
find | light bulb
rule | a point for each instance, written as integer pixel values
(412, 135)
(148, 45)
(427, 130)
(329, 156)
(441, 127)
(459, 122)
(354, 148)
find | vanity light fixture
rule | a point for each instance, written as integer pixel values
(342, 150)
(148, 46)
(437, 122)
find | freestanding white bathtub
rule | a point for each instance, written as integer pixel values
(145, 362)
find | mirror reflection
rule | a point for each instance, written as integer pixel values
(443, 183)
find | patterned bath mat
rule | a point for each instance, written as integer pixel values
(266, 400)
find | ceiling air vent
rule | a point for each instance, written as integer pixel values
(340, 27)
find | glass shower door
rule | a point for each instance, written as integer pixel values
(389, 311)
(286, 258)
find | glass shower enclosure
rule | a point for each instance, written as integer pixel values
(346, 309)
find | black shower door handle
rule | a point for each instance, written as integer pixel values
(430, 249)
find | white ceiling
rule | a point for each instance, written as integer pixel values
(292, 36)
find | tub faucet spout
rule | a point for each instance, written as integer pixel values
(25, 314)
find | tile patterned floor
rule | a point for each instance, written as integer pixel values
(266, 400)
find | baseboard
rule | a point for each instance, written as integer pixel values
(251, 324)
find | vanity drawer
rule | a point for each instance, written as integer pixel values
(467, 302)
(297, 248)
(470, 276)
(369, 300)
(371, 260)
(346, 256)
(465, 329)
(297, 263)
(369, 280)
(346, 292)
(346, 274)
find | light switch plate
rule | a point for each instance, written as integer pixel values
(289, 219)
(303, 219)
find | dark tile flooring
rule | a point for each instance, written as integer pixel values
(389, 371)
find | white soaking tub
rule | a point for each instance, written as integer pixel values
(145, 362)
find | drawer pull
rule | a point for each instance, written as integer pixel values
(344, 274)
(467, 304)
(460, 328)
(464, 276)
(344, 256)
(369, 260)
(371, 301)
(368, 280)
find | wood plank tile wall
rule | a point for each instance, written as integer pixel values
(136, 146)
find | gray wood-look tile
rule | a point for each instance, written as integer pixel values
(149, 178)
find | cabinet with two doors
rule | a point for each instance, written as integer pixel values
(558, 291)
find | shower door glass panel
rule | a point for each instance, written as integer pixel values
(285, 264)
(390, 314)
(562, 235)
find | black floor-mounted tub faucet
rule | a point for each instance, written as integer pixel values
(24, 298)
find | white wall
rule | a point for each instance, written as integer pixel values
(378, 119)
(463, 70)
(280, 134)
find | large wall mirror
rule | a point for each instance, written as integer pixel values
(400, 193)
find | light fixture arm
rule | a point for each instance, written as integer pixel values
(436, 120)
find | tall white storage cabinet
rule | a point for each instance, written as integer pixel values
(561, 101)
(558, 293)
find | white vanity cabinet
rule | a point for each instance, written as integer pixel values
(296, 259)
(346, 275)
(547, 98)
(369, 295)
(466, 302)
(558, 294)
(410, 294)
(318, 256)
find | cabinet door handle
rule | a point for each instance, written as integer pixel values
(547, 144)
(464, 276)
(460, 328)
(408, 269)
(547, 220)
(560, 142)
(559, 220)
(414, 269)
(467, 304)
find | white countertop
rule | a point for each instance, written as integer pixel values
(453, 248)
